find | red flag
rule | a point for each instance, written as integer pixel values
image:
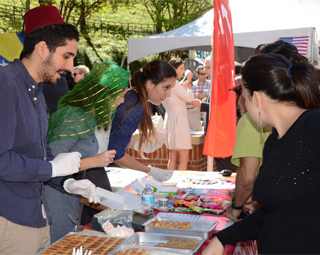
(221, 133)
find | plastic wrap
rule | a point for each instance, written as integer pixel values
(116, 222)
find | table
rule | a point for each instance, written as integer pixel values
(121, 179)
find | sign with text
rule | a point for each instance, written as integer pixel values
(199, 55)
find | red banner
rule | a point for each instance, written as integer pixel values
(221, 133)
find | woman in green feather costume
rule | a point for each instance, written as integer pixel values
(90, 106)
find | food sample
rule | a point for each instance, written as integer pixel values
(133, 251)
(175, 244)
(171, 224)
(98, 244)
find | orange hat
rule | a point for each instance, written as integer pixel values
(42, 16)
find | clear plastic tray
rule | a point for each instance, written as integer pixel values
(198, 227)
(150, 250)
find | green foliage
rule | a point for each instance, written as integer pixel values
(109, 23)
(171, 14)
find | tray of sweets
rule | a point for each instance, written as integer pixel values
(176, 226)
(165, 241)
(99, 244)
(141, 250)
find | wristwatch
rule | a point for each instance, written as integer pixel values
(234, 206)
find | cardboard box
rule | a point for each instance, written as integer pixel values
(171, 191)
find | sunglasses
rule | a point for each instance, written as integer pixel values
(202, 73)
(75, 74)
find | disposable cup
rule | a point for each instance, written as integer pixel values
(163, 203)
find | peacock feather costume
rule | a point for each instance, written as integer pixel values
(90, 105)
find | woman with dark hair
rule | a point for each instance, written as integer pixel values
(248, 149)
(289, 51)
(286, 97)
(178, 137)
(152, 83)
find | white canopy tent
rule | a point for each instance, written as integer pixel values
(254, 22)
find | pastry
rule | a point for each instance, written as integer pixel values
(98, 244)
(157, 224)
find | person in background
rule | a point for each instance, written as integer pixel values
(221, 163)
(52, 94)
(285, 96)
(238, 81)
(69, 78)
(201, 86)
(152, 83)
(178, 136)
(247, 154)
(49, 49)
(237, 69)
(80, 72)
(90, 106)
(207, 67)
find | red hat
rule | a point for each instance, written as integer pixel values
(42, 16)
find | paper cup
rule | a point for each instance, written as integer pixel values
(163, 203)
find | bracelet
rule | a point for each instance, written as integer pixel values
(234, 206)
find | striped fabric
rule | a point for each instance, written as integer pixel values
(300, 42)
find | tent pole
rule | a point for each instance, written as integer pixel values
(209, 164)
(312, 45)
(209, 158)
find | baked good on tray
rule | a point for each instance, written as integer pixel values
(179, 244)
(98, 244)
(171, 224)
(133, 251)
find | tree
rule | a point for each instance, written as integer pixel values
(80, 8)
(72, 11)
(171, 14)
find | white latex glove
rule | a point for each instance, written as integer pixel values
(82, 187)
(160, 174)
(65, 164)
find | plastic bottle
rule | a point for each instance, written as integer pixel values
(148, 200)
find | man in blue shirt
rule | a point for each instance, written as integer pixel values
(49, 49)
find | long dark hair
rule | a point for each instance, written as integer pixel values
(289, 51)
(156, 71)
(274, 75)
(176, 62)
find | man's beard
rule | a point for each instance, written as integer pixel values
(47, 68)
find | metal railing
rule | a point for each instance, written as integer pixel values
(11, 20)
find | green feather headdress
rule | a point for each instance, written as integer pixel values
(91, 104)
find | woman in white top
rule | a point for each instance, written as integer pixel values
(178, 137)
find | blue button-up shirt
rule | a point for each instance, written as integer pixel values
(23, 147)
